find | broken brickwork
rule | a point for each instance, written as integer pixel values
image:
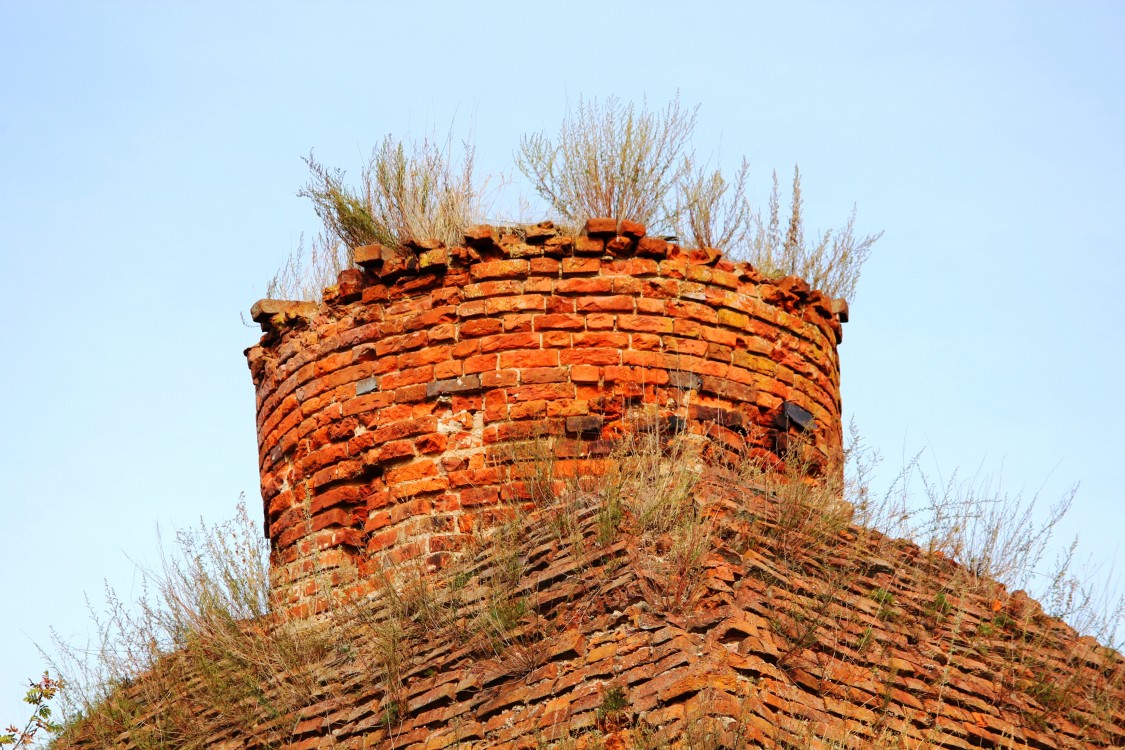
(383, 411)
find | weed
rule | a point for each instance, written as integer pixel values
(610, 713)
(940, 606)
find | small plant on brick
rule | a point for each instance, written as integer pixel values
(610, 713)
(886, 601)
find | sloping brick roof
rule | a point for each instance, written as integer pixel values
(862, 641)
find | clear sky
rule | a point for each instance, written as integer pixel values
(151, 158)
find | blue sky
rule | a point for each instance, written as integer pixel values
(151, 159)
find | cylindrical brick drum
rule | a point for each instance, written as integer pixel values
(379, 409)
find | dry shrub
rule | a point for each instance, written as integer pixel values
(609, 159)
(714, 212)
(408, 190)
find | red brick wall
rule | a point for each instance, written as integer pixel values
(380, 410)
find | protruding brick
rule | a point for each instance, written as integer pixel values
(600, 227)
(373, 256)
(270, 312)
(634, 230)
(480, 234)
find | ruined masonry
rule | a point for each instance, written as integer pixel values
(381, 412)
(388, 419)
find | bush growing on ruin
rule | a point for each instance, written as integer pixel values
(609, 159)
(414, 189)
(407, 190)
(713, 211)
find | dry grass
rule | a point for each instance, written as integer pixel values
(200, 641)
(418, 189)
(307, 271)
(205, 643)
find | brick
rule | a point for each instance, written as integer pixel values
(462, 384)
(617, 303)
(480, 363)
(500, 378)
(505, 341)
(590, 357)
(479, 233)
(517, 323)
(543, 374)
(556, 339)
(644, 323)
(529, 358)
(548, 266)
(450, 369)
(596, 285)
(546, 391)
(570, 266)
(618, 245)
(472, 309)
(527, 409)
(632, 229)
(513, 304)
(600, 339)
(600, 226)
(413, 376)
(585, 374)
(500, 269)
(481, 327)
(587, 425)
(685, 380)
(652, 247)
(733, 319)
(589, 246)
(486, 289)
(367, 385)
(559, 321)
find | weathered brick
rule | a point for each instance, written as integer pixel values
(500, 378)
(563, 321)
(617, 303)
(500, 269)
(570, 266)
(529, 358)
(453, 385)
(582, 285)
(505, 341)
